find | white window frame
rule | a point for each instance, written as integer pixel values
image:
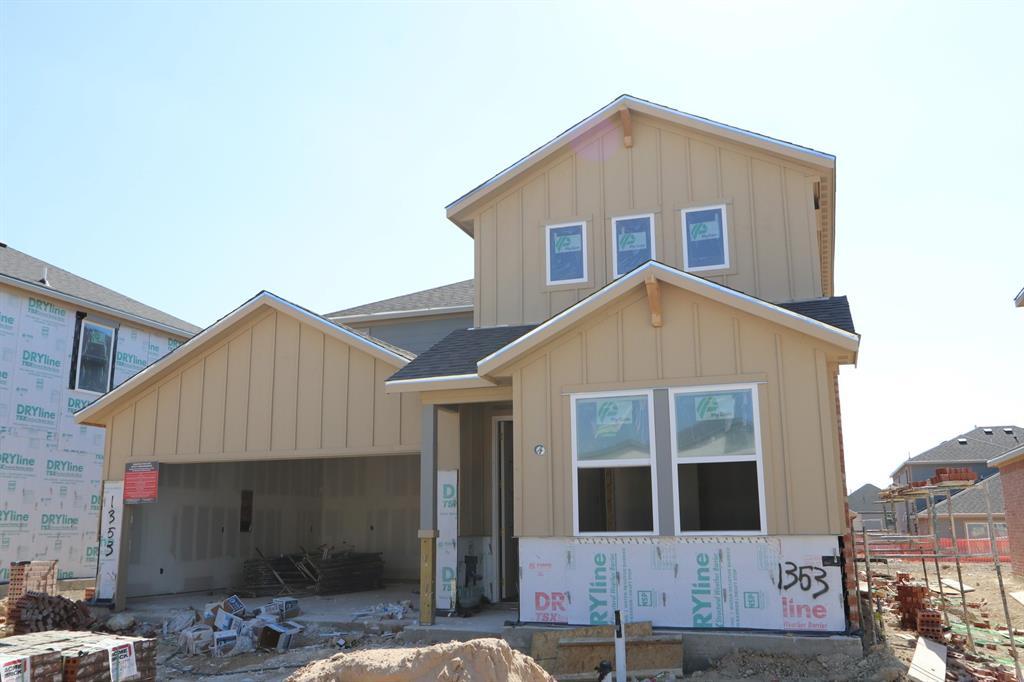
(81, 342)
(651, 462)
(984, 526)
(757, 457)
(725, 238)
(547, 253)
(615, 242)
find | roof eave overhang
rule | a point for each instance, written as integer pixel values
(44, 290)
(94, 413)
(492, 365)
(401, 314)
(437, 383)
(455, 210)
(1007, 458)
(1019, 300)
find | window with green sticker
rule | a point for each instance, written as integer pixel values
(95, 357)
(567, 253)
(705, 238)
(632, 242)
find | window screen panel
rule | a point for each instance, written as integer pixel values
(715, 423)
(719, 496)
(566, 253)
(615, 500)
(613, 428)
(704, 231)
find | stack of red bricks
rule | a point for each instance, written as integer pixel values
(911, 598)
(929, 624)
(32, 576)
(69, 656)
(947, 474)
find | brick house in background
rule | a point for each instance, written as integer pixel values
(970, 512)
(1011, 471)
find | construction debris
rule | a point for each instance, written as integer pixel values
(386, 611)
(323, 572)
(478, 659)
(929, 664)
(37, 612)
(32, 576)
(229, 627)
(73, 656)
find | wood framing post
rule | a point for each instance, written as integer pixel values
(428, 512)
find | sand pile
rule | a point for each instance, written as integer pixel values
(476, 660)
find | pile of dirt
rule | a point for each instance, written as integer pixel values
(478, 659)
(879, 664)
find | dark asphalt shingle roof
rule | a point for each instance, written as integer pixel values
(459, 352)
(972, 500)
(447, 296)
(834, 311)
(978, 446)
(19, 265)
(864, 499)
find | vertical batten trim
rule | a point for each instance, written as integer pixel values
(273, 381)
(224, 411)
(783, 184)
(547, 439)
(696, 341)
(620, 337)
(323, 382)
(784, 427)
(738, 356)
(752, 197)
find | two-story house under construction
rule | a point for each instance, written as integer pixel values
(633, 405)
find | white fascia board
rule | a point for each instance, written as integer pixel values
(437, 383)
(44, 290)
(1006, 457)
(716, 292)
(400, 314)
(202, 339)
(804, 154)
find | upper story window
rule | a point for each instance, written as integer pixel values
(705, 238)
(567, 253)
(632, 242)
(717, 459)
(95, 357)
(614, 482)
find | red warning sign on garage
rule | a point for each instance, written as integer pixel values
(141, 481)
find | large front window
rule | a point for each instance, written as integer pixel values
(613, 457)
(717, 461)
(95, 357)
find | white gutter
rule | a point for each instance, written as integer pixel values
(449, 382)
(399, 314)
(840, 337)
(1006, 457)
(44, 290)
(641, 106)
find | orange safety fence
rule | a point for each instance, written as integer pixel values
(980, 551)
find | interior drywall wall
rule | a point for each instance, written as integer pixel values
(371, 504)
(50, 467)
(190, 538)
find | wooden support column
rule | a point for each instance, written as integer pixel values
(428, 512)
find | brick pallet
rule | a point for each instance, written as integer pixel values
(72, 656)
(32, 576)
(38, 612)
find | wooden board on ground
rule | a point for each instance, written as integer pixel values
(950, 584)
(929, 662)
(545, 643)
(1019, 596)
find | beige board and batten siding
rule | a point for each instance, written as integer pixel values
(701, 342)
(271, 387)
(773, 223)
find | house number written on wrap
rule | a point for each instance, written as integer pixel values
(111, 517)
(804, 577)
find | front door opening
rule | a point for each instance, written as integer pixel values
(508, 546)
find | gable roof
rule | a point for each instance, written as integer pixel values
(1007, 457)
(863, 499)
(841, 338)
(1019, 300)
(449, 298)
(973, 446)
(25, 272)
(387, 352)
(771, 144)
(971, 500)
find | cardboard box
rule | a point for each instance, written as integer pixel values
(233, 605)
(226, 621)
(224, 642)
(289, 606)
(278, 636)
(196, 639)
(274, 609)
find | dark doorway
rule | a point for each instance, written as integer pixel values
(508, 560)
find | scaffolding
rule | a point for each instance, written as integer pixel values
(880, 546)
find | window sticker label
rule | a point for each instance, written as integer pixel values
(632, 241)
(568, 243)
(613, 415)
(706, 229)
(715, 406)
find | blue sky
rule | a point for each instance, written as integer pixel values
(190, 154)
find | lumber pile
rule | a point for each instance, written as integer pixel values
(348, 572)
(78, 656)
(37, 612)
(322, 573)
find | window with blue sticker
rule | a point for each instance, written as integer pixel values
(633, 242)
(567, 253)
(705, 238)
